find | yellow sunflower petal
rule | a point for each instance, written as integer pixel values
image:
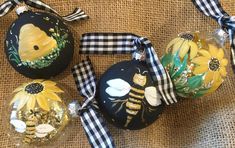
(172, 42)
(42, 102)
(52, 88)
(200, 60)
(220, 54)
(177, 46)
(216, 76)
(215, 86)
(213, 50)
(209, 77)
(224, 62)
(31, 102)
(204, 53)
(19, 96)
(184, 49)
(52, 96)
(20, 88)
(223, 71)
(193, 49)
(23, 102)
(48, 82)
(200, 69)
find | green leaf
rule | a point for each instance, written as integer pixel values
(195, 81)
(166, 59)
(181, 67)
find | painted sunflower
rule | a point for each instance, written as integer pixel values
(37, 91)
(212, 63)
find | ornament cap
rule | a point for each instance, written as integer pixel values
(21, 10)
(220, 36)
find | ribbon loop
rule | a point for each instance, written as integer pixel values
(124, 43)
(93, 124)
(9, 5)
(213, 9)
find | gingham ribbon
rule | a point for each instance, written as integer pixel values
(9, 5)
(213, 8)
(123, 43)
(97, 133)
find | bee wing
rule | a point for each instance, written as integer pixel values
(152, 96)
(117, 88)
(19, 125)
(43, 129)
(39, 135)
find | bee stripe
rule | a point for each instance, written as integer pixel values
(30, 125)
(136, 93)
(30, 134)
(136, 96)
(131, 112)
(133, 106)
(140, 91)
(133, 100)
(127, 108)
(30, 131)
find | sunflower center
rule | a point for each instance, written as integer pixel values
(214, 64)
(187, 36)
(34, 88)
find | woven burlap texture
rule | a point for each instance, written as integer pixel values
(204, 122)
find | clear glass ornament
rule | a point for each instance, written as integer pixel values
(37, 113)
(196, 62)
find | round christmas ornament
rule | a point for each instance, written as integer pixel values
(39, 44)
(128, 96)
(37, 113)
(130, 93)
(196, 63)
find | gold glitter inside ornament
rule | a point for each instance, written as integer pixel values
(38, 113)
(196, 63)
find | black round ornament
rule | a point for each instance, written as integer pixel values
(39, 44)
(128, 97)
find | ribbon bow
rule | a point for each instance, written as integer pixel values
(9, 5)
(123, 43)
(213, 8)
(93, 124)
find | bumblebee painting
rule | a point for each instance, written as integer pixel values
(128, 96)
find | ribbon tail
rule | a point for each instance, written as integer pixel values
(77, 14)
(6, 7)
(159, 75)
(231, 36)
(96, 131)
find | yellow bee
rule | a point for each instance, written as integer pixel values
(136, 94)
(30, 129)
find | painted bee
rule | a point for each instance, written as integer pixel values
(136, 94)
(30, 127)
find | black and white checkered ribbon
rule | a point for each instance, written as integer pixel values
(123, 43)
(213, 8)
(93, 124)
(9, 5)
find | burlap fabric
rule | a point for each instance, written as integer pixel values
(205, 122)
